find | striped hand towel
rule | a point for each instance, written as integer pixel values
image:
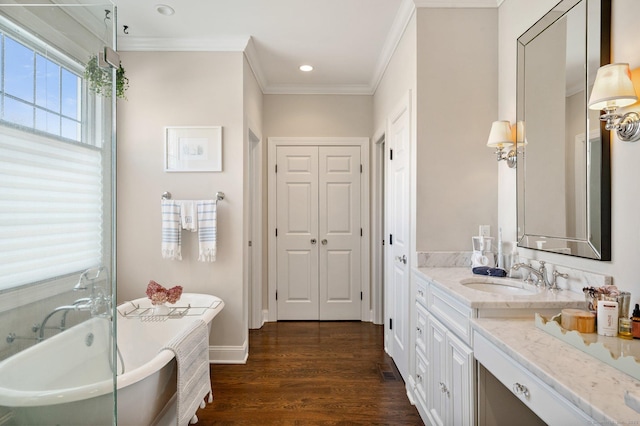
(191, 349)
(207, 227)
(171, 239)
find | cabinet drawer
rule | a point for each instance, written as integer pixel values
(453, 314)
(422, 377)
(421, 289)
(421, 328)
(550, 406)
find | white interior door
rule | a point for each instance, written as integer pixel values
(318, 239)
(340, 233)
(397, 248)
(297, 233)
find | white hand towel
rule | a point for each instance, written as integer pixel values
(171, 239)
(188, 215)
(207, 229)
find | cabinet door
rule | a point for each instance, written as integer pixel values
(460, 369)
(438, 351)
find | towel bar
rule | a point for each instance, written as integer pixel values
(219, 196)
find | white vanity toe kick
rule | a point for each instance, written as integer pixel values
(542, 363)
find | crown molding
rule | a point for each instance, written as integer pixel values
(140, 44)
(458, 3)
(295, 89)
(245, 44)
(405, 12)
(251, 54)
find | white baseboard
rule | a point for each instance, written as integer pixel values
(229, 354)
(265, 316)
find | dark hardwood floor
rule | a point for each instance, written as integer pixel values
(311, 373)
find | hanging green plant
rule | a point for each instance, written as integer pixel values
(99, 79)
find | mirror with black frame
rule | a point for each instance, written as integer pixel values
(563, 179)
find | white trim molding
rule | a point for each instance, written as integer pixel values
(365, 271)
(160, 44)
(229, 354)
(458, 4)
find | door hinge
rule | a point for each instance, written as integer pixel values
(360, 295)
(360, 168)
(382, 242)
(276, 168)
(390, 154)
(390, 238)
(276, 232)
(249, 243)
(390, 323)
(276, 294)
(361, 232)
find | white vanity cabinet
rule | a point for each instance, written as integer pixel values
(444, 363)
(452, 377)
(540, 398)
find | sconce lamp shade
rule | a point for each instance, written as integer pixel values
(500, 134)
(612, 88)
(520, 136)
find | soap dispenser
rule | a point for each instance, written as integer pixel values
(635, 322)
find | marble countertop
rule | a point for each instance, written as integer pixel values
(448, 280)
(593, 386)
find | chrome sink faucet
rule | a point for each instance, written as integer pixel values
(532, 270)
(541, 275)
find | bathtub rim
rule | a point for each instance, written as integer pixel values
(34, 398)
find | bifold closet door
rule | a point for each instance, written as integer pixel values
(297, 233)
(318, 233)
(339, 230)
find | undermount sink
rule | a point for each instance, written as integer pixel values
(502, 286)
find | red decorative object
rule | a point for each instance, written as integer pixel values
(159, 295)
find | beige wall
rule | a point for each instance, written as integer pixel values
(457, 101)
(317, 115)
(399, 78)
(253, 101)
(515, 16)
(182, 89)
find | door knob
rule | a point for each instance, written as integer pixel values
(402, 259)
(313, 241)
(324, 242)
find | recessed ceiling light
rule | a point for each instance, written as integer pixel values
(306, 68)
(165, 10)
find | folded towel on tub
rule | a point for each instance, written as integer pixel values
(191, 348)
(171, 239)
(207, 230)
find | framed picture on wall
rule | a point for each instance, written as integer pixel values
(193, 149)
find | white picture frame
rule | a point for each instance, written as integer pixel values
(193, 149)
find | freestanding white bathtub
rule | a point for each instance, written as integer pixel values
(68, 380)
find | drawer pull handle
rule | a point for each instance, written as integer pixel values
(419, 376)
(419, 330)
(520, 389)
(443, 388)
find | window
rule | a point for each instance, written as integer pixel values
(51, 186)
(39, 93)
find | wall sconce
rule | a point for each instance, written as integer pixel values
(501, 137)
(614, 89)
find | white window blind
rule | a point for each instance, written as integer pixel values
(50, 207)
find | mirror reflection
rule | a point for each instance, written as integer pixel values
(563, 170)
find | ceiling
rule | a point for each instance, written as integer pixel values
(348, 42)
